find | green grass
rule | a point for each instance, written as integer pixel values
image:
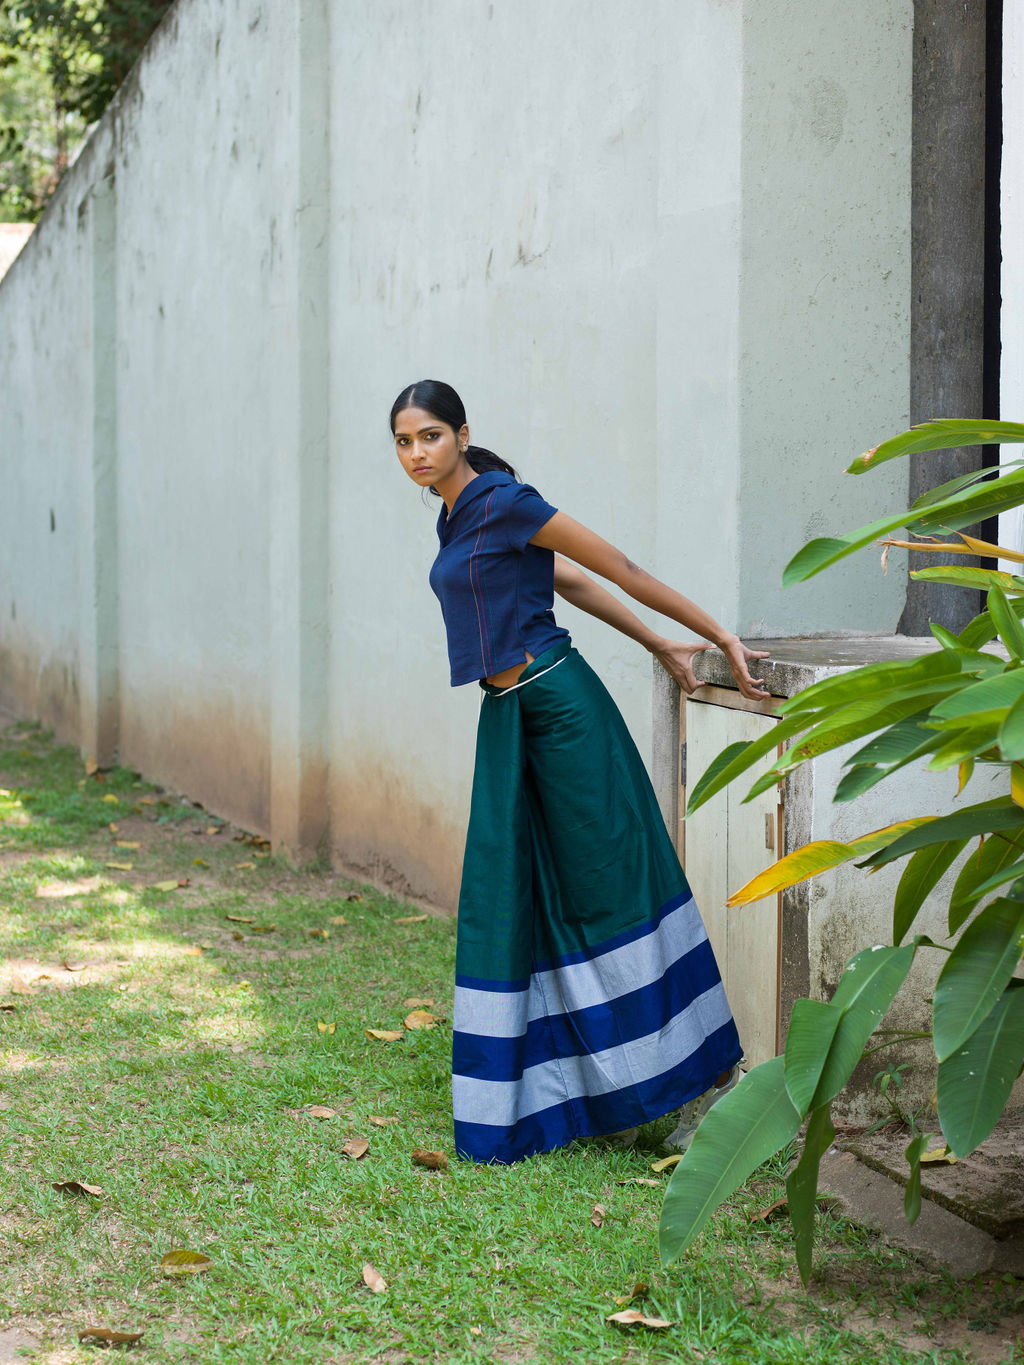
(174, 1068)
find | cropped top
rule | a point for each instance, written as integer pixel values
(496, 590)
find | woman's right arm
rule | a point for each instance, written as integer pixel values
(572, 584)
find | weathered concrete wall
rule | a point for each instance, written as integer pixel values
(644, 268)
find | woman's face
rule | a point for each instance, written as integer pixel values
(430, 451)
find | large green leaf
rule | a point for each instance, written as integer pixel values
(966, 576)
(866, 989)
(828, 550)
(1011, 632)
(976, 973)
(812, 1026)
(965, 744)
(986, 817)
(982, 629)
(873, 680)
(996, 858)
(746, 1126)
(737, 758)
(1012, 873)
(1001, 691)
(939, 434)
(920, 877)
(912, 1196)
(802, 1187)
(898, 742)
(975, 1081)
(943, 490)
(1011, 734)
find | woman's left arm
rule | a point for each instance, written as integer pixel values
(568, 537)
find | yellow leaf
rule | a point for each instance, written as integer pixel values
(121, 867)
(416, 1002)
(667, 1162)
(107, 1336)
(181, 1261)
(111, 799)
(433, 1161)
(373, 1279)
(77, 1187)
(263, 928)
(239, 919)
(639, 1289)
(379, 1121)
(339, 920)
(412, 919)
(598, 1214)
(243, 867)
(113, 827)
(200, 862)
(632, 1317)
(128, 843)
(940, 1154)
(640, 1180)
(91, 766)
(420, 1019)
(321, 1111)
(356, 1148)
(213, 829)
(964, 774)
(318, 933)
(165, 886)
(147, 800)
(1017, 783)
(353, 896)
(385, 1035)
(326, 1028)
(817, 857)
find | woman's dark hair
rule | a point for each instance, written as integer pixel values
(442, 402)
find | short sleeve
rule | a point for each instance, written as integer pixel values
(524, 512)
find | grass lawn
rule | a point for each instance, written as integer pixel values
(169, 1046)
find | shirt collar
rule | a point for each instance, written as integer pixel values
(474, 489)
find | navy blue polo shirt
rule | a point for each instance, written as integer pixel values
(496, 590)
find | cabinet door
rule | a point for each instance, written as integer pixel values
(726, 843)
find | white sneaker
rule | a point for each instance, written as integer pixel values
(694, 1110)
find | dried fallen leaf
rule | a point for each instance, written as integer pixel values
(237, 936)
(353, 896)
(244, 867)
(128, 843)
(183, 881)
(641, 1180)
(338, 920)
(772, 1212)
(70, 966)
(107, 1336)
(378, 1120)
(667, 1162)
(320, 1111)
(421, 1019)
(416, 1002)
(7, 1006)
(91, 766)
(318, 933)
(147, 800)
(355, 1148)
(940, 1155)
(120, 867)
(113, 827)
(239, 919)
(194, 951)
(168, 885)
(214, 829)
(181, 1261)
(111, 799)
(632, 1317)
(373, 1279)
(476, 1331)
(77, 1187)
(200, 862)
(19, 986)
(263, 928)
(433, 1161)
(385, 1035)
(639, 1290)
(412, 919)
(598, 1214)
(326, 1028)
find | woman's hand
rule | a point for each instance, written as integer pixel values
(738, 656)
(677, 659)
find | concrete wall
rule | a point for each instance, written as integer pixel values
(669, 277)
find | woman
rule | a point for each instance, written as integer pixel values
(587, 998)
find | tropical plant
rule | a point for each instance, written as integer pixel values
(958, 706)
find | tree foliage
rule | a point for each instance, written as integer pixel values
(60, 63)
(957, 707)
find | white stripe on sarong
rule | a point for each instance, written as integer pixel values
(505, 1014)
(504, 1103)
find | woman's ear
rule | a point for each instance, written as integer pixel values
(463, 438)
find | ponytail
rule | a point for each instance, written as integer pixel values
(483, 461)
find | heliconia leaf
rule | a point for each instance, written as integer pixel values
(745, 1127)
(964, 774)
(866, 989)
(912, 1196)
(1001, 691)
(1011, 632)
(964, 576)
(812, 1026)
(816, 857)
(859, 719)
(939, 434)
(825, 551)
(964, 745)
(1011, 734)
(966, 545)
(975, 1081)
(1006, 874)
(987, 817)
(873, 680)
(802, 1187)
(995, 855)
(945, 637)
(986, 548)
(976, 973)
(943, 490)
(1017, 783)
(920, 877)
(982, 629)
(737, 758)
